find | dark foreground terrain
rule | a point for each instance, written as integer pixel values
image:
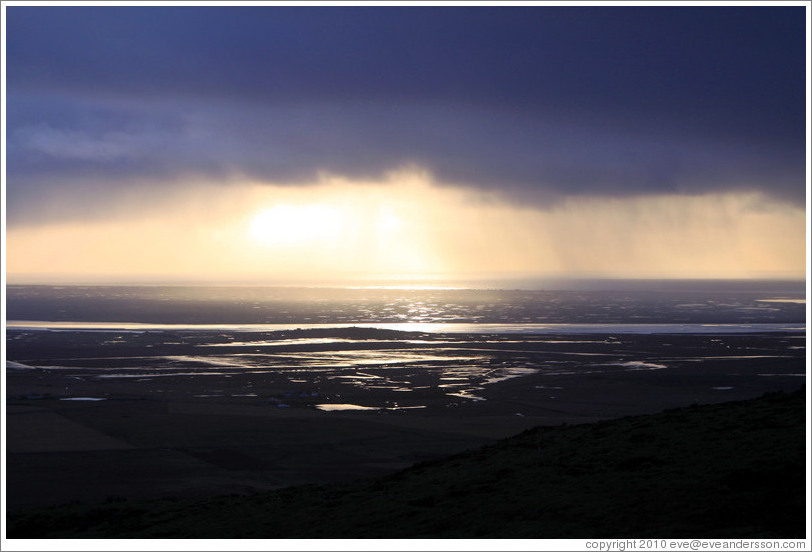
(109, 415)
(734, 469)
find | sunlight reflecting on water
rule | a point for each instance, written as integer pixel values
(332, 407)
(380, 370)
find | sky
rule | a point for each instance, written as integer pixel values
(283, 144)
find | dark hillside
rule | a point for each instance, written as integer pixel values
(728, 470)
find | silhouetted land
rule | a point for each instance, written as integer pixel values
(734, 469)
(118, 416)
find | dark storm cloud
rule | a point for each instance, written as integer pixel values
(539, 102)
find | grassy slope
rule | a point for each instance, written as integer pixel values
(729, 470)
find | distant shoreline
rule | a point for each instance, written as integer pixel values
(767, 285)
(421, 327)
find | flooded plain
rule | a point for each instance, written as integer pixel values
(122, 392)
(380, 369)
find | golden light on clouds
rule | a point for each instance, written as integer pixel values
(408, 228)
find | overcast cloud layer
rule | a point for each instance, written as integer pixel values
(538, 103)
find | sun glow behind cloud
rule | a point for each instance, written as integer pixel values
(297, 225)
(408, 229)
